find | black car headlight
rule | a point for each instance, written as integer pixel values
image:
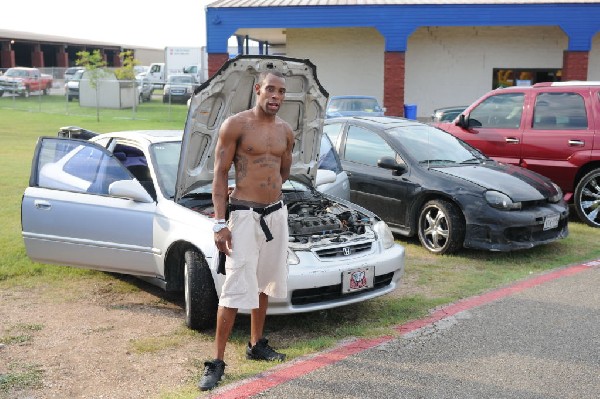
(502, 201)
(556, 197)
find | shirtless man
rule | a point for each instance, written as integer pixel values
(255, 237)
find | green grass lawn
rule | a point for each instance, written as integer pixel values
(429, 280)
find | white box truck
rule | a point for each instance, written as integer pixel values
(177, 59)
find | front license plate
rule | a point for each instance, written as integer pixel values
(358, 279)
(551, 222)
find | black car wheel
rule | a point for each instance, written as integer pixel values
(587, 198)
(200, 295)
(441, 227)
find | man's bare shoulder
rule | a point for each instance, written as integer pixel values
(285, 125)
(234, 124)
(240, 117)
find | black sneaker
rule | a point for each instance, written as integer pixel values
(262, 351)
(213, 372)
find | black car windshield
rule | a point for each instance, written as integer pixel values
(428, 145)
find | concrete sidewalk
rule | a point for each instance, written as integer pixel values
(539, 338)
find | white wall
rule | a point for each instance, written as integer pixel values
(357, 54)
(448, 66)
(594, 59)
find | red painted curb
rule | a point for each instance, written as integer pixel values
(303, 366)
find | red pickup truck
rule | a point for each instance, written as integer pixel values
(23, 81)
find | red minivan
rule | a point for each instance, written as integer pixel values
(549, 128)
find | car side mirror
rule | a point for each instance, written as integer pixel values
(462, 121)
(391, 164)
(130, 189)
(466, 123)
(325, 176)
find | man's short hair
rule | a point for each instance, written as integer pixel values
(264, 74)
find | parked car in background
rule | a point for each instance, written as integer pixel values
(140, 70)
(139, 203)
(72, 85)
(145, 90)
(24, 81)
(179, 88)
(70, 72)
(423, 181)
(353, 106)
(447, 114)
(550, 128)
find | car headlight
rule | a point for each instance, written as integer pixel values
(383, 231)
(502, 201)
(292, 258)
(556, 197)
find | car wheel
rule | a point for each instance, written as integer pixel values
(46, 91)
(200, 295)
(69, 98)
(587, 198)
(26, 93)
(441, 227)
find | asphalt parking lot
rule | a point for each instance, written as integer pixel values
(538, 338)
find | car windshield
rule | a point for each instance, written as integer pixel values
(428, 145)
(16, 73)
(354, 104)
(165, 157)
(180, 79)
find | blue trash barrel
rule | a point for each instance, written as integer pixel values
(410, 111)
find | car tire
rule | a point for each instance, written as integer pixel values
(69, 98)
(46, 91)
(26, 93)
(587, 198)
(441, 227)
(200, 295)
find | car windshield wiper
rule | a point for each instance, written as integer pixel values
(472, 161)
(437, 161)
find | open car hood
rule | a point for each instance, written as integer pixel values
(231, 90)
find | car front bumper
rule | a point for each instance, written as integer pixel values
(317, 285)
(514, 230)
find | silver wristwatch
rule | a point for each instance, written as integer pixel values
(219, 225)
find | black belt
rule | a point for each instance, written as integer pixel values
(262, 212)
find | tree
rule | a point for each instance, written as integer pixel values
(126, 72)
(95, 64)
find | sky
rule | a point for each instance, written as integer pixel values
(148, 23)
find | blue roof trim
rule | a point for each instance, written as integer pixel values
(397, 22)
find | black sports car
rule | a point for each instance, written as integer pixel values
(422, 180)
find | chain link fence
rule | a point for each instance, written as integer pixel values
(77, 95)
